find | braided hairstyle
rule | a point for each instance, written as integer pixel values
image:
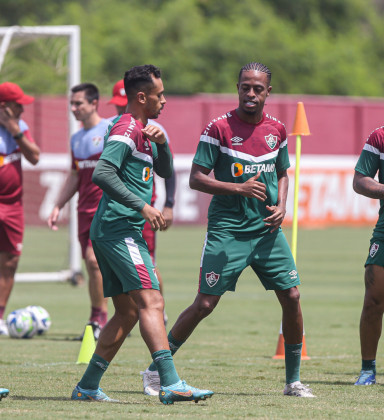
(257, 67)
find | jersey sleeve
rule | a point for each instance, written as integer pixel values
(282, 160)
(369, 160)
(208, 148)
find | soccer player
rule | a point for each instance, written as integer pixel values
(133, 150)
(15, 141)
(247, 150)
(86, 147)
(119, 99)
(370, 162)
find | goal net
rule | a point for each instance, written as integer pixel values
(55, 52)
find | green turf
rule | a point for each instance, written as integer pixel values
(230, 352)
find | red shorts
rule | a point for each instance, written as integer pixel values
(11, 228)
(150, 238)
(84, 221)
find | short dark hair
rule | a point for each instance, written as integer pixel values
(91, 91)
(139, 78)
(257, 67)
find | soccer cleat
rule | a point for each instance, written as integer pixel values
(3, 328)
(151, 382)
(81, 394)
(96, 331)
(182, 392)
(3, 393)
(367, 377)
(297, 389)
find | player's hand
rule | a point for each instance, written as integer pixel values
(8, 120)
(153, 133)
(154, 217)
(168, 216)
(252, 188)
(276, 218)
(52, 219)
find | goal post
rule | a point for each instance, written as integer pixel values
(13, 37)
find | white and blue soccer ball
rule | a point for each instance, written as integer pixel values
(21, 324)
(41, 317)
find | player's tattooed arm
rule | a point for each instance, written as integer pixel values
(367, 186)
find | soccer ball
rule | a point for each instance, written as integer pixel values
(42, 318)
(21, 324)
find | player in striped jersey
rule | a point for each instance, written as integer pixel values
(370, 163)
(133, 150)
(15, 141)
(247, 151)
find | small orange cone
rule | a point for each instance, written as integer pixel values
(300, 126)
(280, 350)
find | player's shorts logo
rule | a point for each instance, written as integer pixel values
(237, 169)
(212, 278)
(147, 173)
(293, 274)
(374, 249)
(271, 140)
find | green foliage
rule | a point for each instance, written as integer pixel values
(329, 47)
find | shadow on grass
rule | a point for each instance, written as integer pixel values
(45, 398)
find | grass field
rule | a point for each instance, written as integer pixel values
(230, 353)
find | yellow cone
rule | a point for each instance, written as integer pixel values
(88, 346)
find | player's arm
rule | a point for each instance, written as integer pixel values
(163, 159)
(200, 180)
(27, 147)
(106, 177)
(278, 211)
(69, 189)
(170, 187)
(367, 186)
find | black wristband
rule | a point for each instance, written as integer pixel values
(18, 136)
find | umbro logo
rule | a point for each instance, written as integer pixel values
(237, 141)
(293, 274)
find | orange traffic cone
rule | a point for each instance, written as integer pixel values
(280, 350)
(300, 126)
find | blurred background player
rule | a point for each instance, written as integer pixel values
(119, 99)
(15, 141)
(369, 163)
(86, 147)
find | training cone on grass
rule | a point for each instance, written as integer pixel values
(280, 350)
(88, 346)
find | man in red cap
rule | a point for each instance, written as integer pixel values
(15, 141)
(119, 99)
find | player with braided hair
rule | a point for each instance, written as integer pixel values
(247, 150)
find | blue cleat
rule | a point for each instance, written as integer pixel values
(367, 377)
(81, 394)
(3, 393)
(182, 392)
